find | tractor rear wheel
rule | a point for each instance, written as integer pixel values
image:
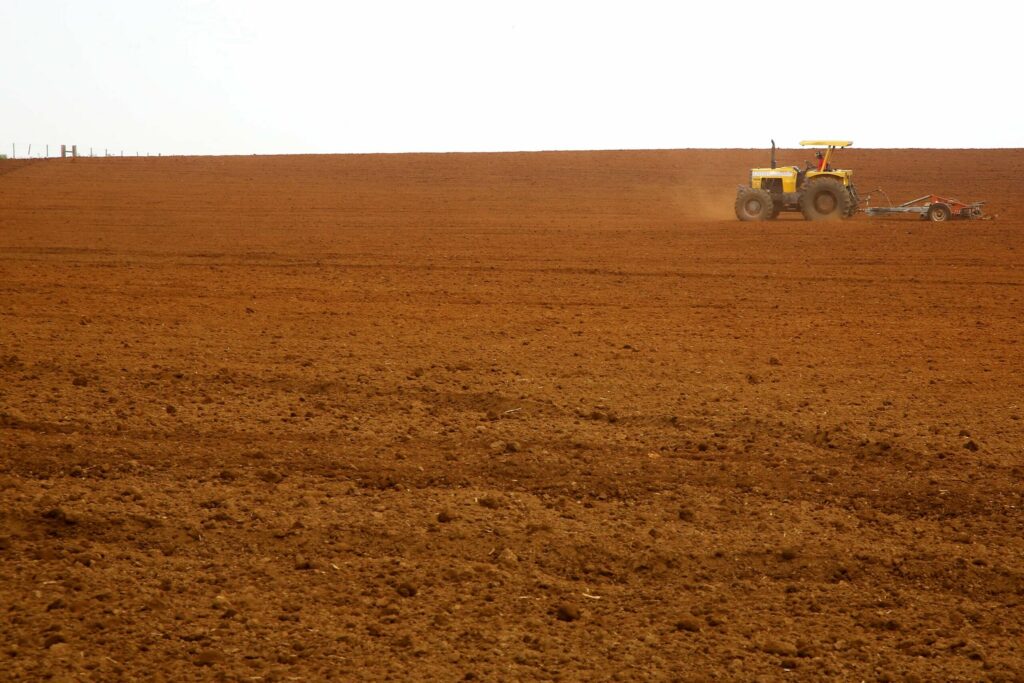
(753, 204)
(825, 199)
(939, 213)
(854, 202)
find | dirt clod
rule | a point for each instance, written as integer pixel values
(271, 476)
(208, 658)
(491, 502)
(53, 639)
(304, 563)
(689, 624)
(568, 612)
(783, 648)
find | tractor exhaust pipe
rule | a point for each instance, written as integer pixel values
(773, 153)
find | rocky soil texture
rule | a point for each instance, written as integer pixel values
(507, 417)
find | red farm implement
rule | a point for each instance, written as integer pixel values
(931, 207)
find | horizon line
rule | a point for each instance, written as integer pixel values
(157, 155)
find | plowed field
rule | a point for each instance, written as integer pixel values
(507, 417)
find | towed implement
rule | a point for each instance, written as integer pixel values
(817, 191)
(932, 207)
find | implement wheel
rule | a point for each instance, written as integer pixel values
(939, 213)
(825, 199)
(753, 205)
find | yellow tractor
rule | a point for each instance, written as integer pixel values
(818, 191)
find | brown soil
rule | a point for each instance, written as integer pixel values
(506, 417)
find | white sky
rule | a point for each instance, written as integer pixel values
(290, 76)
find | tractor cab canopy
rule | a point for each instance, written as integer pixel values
(825, 162)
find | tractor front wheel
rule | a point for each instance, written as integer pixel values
(825, 199)
(754, 205)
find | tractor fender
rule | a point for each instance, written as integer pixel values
(825, 174)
